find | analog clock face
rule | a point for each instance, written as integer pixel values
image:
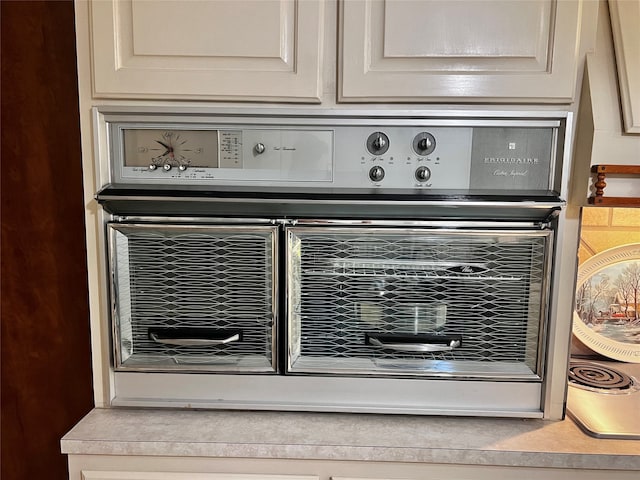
(154, 148)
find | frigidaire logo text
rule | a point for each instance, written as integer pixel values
(512, 160)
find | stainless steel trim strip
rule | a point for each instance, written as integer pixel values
(441, 203)
(346, 113)
(137, 219)
(416, 223)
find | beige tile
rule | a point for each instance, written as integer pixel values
(583, 255)
(595, 216)
(597, 241)
(626, 217)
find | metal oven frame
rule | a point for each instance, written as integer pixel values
(441, 396)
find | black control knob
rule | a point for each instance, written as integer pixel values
(424, 143)
(423, 174)
(166, 167)
(378, 143)
(376, 173)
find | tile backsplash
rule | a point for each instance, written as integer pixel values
(604, 228)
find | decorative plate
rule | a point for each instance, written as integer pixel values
(607, 313)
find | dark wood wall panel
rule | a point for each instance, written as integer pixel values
(46, 377)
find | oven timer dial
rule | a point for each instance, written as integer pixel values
(424, 143)
(376, 173)
(378, 143)
(423, 174)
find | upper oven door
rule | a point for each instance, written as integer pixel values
(193, 297)
(442, 302)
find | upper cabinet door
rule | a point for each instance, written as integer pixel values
(625, 25)
(458, 51)
(253, 50)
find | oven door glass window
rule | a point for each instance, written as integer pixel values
(193, 297)
(444, 303)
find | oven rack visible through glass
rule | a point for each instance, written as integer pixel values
(408, 269)
(194, 297)
(423, 302)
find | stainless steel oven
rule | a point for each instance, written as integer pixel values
(392, 262)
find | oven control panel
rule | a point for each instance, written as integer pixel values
(389, 152)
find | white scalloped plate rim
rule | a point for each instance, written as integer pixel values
(625, 352)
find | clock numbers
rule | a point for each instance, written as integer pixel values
(163, 150)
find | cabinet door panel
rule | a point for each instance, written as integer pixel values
(625, 24)
(122, 475)
(472, 50)
(227, 50)
(475, 41)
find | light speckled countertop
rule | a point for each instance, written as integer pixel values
(341, 436)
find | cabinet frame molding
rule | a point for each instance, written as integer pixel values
(126, 63)
(373, 69)
(625, 26)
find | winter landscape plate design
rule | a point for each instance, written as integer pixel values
(606, 317)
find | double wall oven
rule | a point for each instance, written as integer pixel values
(371, 261)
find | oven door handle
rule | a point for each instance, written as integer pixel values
(193, 337)
(415, 343)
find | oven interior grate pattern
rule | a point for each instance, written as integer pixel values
(212, 282)
(488, 288)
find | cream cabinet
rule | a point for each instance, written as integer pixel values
(285, 50)
(462, 51)
(93, 467)
(625, 25)
(606, 115)
(253, 50)
(138, 475)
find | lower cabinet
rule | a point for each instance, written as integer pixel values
(126, 467)
(119, 475)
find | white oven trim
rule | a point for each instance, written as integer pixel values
(329, 394)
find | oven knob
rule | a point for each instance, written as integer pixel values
(423, 174)
(182, 167)
(259, 148)
(376, 173)
(166, 167)
(377, 143)
(153, 166)
(424, 143)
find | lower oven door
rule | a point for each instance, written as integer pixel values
(193, 297)
(439, 302)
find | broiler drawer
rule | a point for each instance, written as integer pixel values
(196, 297)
